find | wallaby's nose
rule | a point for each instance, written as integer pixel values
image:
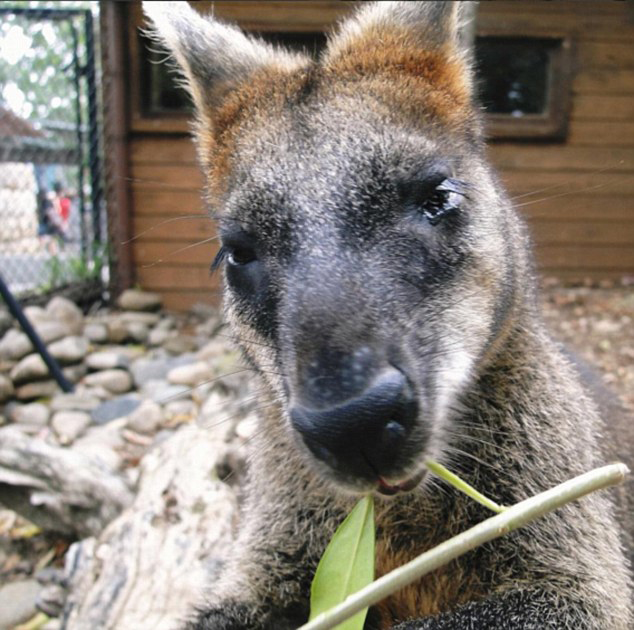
(365, 435)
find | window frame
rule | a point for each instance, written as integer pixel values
(553, 123)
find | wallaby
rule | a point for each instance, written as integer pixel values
(381, 286)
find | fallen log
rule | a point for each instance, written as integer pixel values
(56, 488)
(147, 568)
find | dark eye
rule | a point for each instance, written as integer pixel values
(436, 206)
(444, 199)
(240, 256)
(238, 250)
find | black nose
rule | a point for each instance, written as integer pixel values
(366, 435)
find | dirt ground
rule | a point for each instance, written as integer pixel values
(597, 323)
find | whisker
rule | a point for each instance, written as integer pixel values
(181, 249)
(164, 222)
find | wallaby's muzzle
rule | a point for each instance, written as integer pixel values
(366, 436)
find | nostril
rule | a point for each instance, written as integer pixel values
(393, 433)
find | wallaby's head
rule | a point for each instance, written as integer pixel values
(369, 259)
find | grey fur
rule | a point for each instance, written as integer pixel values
(339, 260)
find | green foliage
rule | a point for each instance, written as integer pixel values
(347, 564)
(73, 270)
(36, 58)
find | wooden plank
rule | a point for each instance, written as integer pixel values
(162, 150)
(157, 203)
(603, 107)
(185, 228)
(604, 81)
(173, 278)
(542, 184)
(167, 177)
(492, 20)
(586, 257)
(182, 301)
(152, 254)
(561, 157)
(583, 233)
(578, 207)
(605, 54)
(603, 133)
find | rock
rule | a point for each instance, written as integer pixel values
(115, 408)
(35, 314)
(63, 310)
(69, 350)
(136, 300)
(103, 442)
(148, 369)
(213, 349)
(158, 336)
(180, 411)
(51, 600)
(117, 331)
(138, 332)
(52, 331)
(39, 389)
(5, 321)
(181, 344)
(107, 360)
(218, 416)
(17, 603)
(146, 418)
(96, 333)
(147, 319)
(30, 368)
(69, 425)
(100, 452)
(15, 345)
(246, 428)
(6, 388)
(34, 414)
(162, 392)
(192, 374)
(116, 380)
(78, 401)
(74, 373)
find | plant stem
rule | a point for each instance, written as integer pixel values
(463, 486)
(511, 518)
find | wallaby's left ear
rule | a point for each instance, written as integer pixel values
(213, 57)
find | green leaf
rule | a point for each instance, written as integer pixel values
(347, 564)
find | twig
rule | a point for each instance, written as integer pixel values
(511, 518)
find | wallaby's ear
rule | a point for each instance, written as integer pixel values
(212, 57)
(434, 26)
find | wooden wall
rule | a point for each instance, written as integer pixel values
(577, 194)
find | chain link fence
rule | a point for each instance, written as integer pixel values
(52, 214)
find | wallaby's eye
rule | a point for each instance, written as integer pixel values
(444, 199)
(237, 249)
(240, 256)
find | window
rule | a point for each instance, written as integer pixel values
(524, 85)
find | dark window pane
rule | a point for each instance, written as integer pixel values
(514, 73)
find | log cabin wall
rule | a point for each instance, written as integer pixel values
(582, 220)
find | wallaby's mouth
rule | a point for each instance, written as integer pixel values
(390, 489)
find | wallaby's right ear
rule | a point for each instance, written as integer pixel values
(213, 57)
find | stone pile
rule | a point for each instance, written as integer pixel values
(141, 376)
